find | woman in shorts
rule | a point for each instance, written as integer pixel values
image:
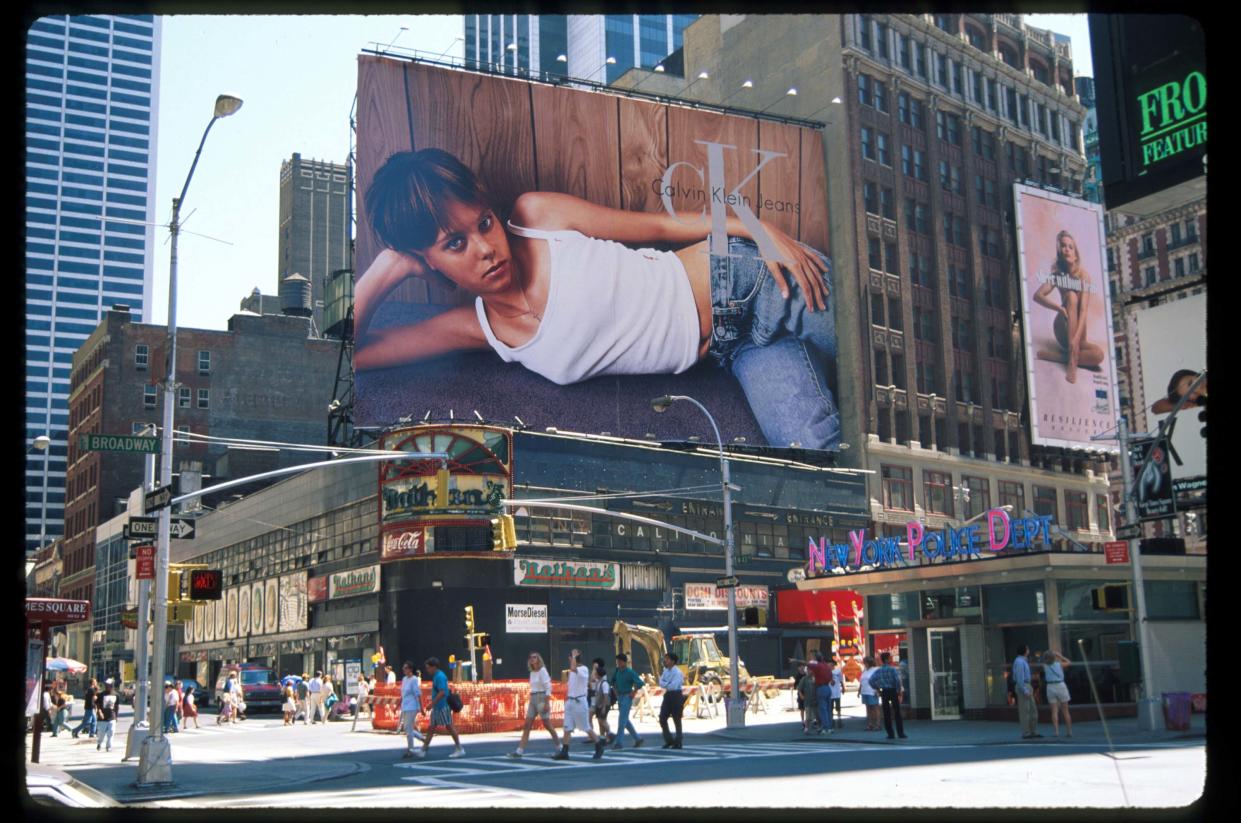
(870, 698)
(540, 700)
(1057, 690)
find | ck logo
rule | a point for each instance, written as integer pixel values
(721, 200)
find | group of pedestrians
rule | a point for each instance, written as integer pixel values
(820, 685)
(180, 706)
(309, 699)
(1055, 688)
(439, 710)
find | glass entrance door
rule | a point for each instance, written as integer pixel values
(944, 654)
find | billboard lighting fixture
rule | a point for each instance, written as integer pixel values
(426, 416)
(479, 416)
(520, 422)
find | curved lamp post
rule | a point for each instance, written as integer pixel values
(736, 704)
(155, 760)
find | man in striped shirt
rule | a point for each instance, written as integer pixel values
(887, 681)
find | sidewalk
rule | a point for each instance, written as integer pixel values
(241, 769)
(780, 725)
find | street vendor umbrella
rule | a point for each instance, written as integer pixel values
(65, 664)
(290, 679)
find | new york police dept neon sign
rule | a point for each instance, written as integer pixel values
(1001, 533)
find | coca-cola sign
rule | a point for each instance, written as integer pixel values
(403, 542)
(56, 610)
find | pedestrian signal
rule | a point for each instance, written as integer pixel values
(1111, 598)
(481, 640)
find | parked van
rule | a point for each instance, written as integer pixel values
(260, 688)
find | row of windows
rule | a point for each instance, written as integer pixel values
(974, 493)
(142, 357)
(985, 92)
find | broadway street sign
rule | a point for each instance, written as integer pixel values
(147, 528)
(118, 443)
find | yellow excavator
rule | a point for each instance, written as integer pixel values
(700, 659)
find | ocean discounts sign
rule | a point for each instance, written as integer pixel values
(354, 582)
(565, 574)
(1001, 533)
(706, 597)
(525, 618)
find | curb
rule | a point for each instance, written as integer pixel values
(129, 794)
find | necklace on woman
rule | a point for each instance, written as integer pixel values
(529, 308)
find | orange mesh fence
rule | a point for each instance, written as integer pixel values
(499, 706)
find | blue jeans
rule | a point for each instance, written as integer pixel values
(170, 719)
(88, 722)
(823, 697)
(782, 354)
(624, 703)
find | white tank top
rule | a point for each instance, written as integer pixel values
(610, 310)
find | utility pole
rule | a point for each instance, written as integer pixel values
(1147, 710)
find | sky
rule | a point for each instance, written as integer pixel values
(297, 76)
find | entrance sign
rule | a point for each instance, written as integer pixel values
(1000, 533)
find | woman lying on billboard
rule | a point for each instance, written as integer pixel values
(1070, 324)
(560, 290)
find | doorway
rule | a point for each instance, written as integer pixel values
(944, 658)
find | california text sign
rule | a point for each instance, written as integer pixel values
(1000, 533)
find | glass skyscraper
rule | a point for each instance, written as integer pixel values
(534, 42)
(92, 89)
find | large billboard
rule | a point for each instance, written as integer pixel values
(1067, 320)
(1169, 343)
(563, 256)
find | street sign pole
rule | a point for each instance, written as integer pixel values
(142, 648)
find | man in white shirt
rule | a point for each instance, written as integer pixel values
(315, 687)
(576, 710)
(411, 706)
(672, 682)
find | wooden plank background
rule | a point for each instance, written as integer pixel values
(519, 137)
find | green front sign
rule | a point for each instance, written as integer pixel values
(118, 443)
(1173, 118)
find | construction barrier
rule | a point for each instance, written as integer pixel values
(499, 706)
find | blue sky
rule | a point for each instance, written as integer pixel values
(297, 75)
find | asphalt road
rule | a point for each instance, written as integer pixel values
(260, 763)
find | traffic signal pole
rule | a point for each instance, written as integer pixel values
(1147, 708)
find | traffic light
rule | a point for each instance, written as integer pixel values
(482, 640)
(503, 533)
(1111, 598)
(469, 620)
(174, 585)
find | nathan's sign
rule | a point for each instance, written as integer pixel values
(464, 490)
(705, 596)
(998, 533)
(354, 582)
(533, 572)
(55, 610)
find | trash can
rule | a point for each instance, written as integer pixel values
(1176, 706)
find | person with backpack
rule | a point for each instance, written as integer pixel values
(601, 698)
(539, 703)
(441, 713)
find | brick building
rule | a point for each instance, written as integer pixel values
(264, 378)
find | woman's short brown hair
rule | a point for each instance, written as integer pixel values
(407, 202)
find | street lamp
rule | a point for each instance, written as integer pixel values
(736, 705)
(155, 760)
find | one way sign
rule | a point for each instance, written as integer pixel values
(147, 528)
(156, 499)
